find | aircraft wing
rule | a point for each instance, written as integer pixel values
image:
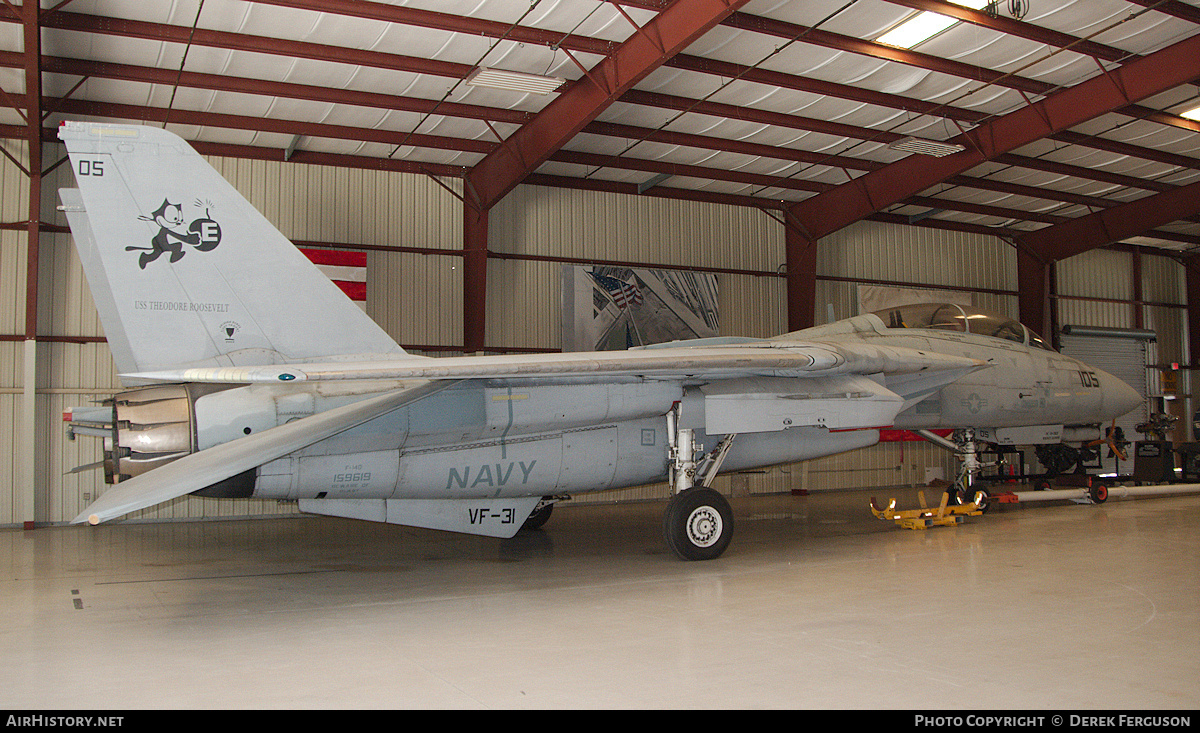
(205, 468)
(771, 359)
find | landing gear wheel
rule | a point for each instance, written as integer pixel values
(540, 516)
(698, 524)
(1098, 493)
(984, 502)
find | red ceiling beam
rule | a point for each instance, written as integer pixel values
(265, 124)
(664, 192)
(783, 80)
(287, 90)
(1073, 237)
(367, 99)
(453, 23)
(210, 81)
(342, 132)
(526, 34)
(797, 122)
(444, 21)
(956, 68)
(335, 160)
(392, 102)
(874, 191)
(1172, 7)
(384, 101)
(598, 160)
(839, 42)
(859, 164)
(1019, 28)
(671, 31)
(681, 194)
(125, 28)
(594, 160)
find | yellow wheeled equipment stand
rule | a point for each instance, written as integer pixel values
(925, 517)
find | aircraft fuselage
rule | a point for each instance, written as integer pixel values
(490, 439)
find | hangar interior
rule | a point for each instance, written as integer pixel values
(1036, 158)
(760, 142)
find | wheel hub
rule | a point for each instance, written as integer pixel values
(704, 526)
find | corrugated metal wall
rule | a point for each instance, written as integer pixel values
(524, 295)
(1097, 289)
(417, 297)
(1089, 286)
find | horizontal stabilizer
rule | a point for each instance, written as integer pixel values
(199, 470)
(487, 517)
(85, 467)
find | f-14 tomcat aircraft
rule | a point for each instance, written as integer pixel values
(250, 374)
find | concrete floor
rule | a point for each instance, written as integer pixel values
(816, 605)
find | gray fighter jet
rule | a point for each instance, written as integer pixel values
(249, 374)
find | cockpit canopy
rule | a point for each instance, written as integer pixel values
(964, 319)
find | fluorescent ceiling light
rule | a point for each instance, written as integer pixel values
(514, 81)
(1191, 114)
(922, 146)
(923, 26)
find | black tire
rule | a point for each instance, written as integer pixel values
(986, 503)
(538, 518)
(1098, 492)
(698, 524)
(1043, 485)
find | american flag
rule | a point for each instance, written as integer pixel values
(622, 292)
(347, 270)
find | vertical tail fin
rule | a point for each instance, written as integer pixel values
(185, 272)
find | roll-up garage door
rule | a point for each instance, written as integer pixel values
(1121, 353)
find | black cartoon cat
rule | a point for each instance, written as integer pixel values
(204, 234)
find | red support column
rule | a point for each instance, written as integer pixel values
(801, 256)
(33, 110)
(475, 264)
(1139, 319)
(30, 498)
(1191, 267)
(1033, 292)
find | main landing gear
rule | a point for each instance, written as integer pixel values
(698, 524)
(963, 445)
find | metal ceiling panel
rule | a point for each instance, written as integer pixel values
(781, 98)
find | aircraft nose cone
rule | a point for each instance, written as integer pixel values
(1122, 398)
